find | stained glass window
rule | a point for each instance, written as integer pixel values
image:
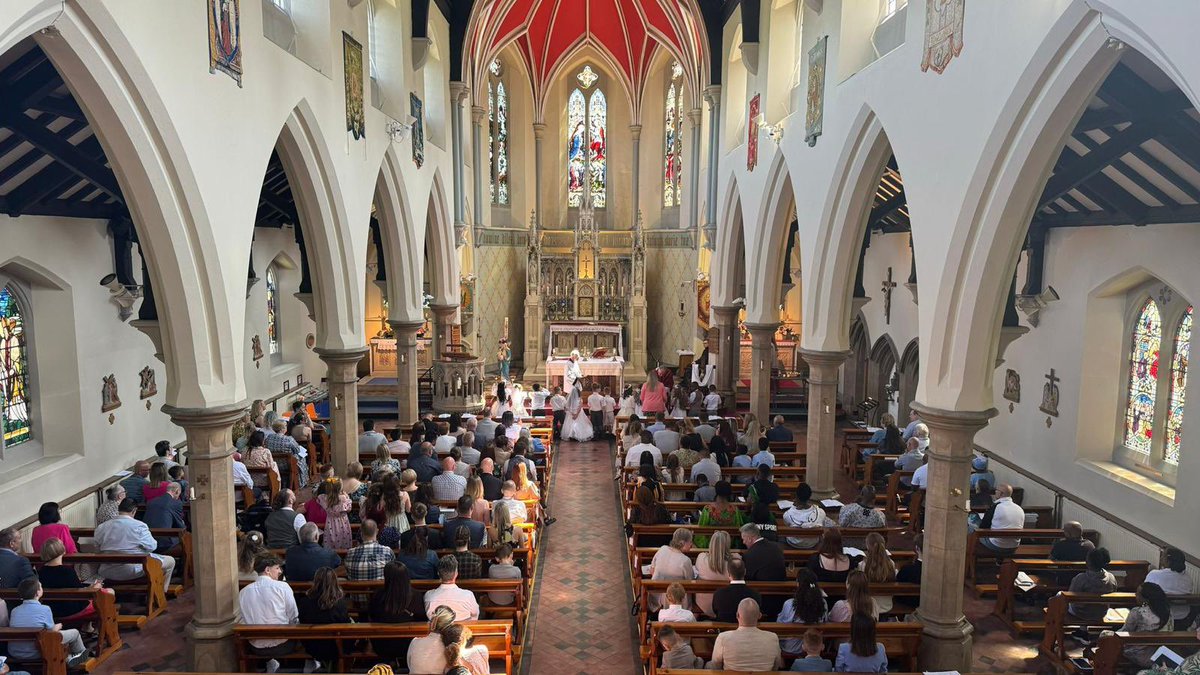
(1143, 379)
(497, 135)
(587, 77)
(273, 334)
(1179, 366)
(14, 371)
(598, 156)
(576, 133)
(587, 147)
(673, 151)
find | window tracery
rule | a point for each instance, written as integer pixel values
(587, 151)
(15, 401)
(673, 141)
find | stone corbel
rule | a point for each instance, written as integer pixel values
(1031, 306)
(1008, 335)
(151, 329)
(420, 51)
(383, 287)
(912, 288)
(251, 282)
(750, 56)
(856, 305)
(815, 5)
(460, 235)
(710, 236)
(307, 299)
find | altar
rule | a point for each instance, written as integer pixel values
(785, 356)
(600, 347)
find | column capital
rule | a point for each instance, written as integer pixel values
(347, 355)
(218, 418)
(695, 116)
(762, 329)
(458, 91)
(478, 113)
(725, 312)
(539, 130)
(822, 365)
(712, 94)
(406, 326)
(963, 421)
(636, 131)
(443, 311)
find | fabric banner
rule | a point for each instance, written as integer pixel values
(416, 109)
(814, 117)
(752, 127)
(352, 58)
(943, 33)
(225, 38)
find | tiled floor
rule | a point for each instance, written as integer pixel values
(581, 622)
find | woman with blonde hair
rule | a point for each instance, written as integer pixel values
(879, 568)
(475, 659)
(858, 600)
(480, 506)
(654, 395)
(752, 431)
(383, 459)
(526, 489)
(712, 565)
(352, 482)
(427, 654)
(502, 530)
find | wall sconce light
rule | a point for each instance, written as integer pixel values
(122, 296)
(398, 131)
(773, 131)
(337, 401)
(403, 358)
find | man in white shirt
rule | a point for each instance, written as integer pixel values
(1173, 579)
(241, 475)
(558, 408)
(537, 400)
(920, 477)
(444, 441)
(763, 456)
(706, 466)
(747, 648)
(1005, 515)
(660, 422)
(462, 602)
(517, 512)
(595, 404)
(712, 400)
(667, 440)
(370, 440)
(269, 601)
(633, 456)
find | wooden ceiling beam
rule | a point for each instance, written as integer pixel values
(1075, 172)
(62, 151)
(1158, 215)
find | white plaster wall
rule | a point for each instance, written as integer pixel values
(889, 250)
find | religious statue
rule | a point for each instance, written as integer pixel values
(888, 286)
(109, 399)
(148, 386)
(1012, 386)
(256, 347)
(504, 358)
(1050, 394)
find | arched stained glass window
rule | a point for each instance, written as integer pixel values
(673, 146)
(1179, 366)
(1143, 379)
(498, 134)
(14, 371)
(587, 150)
(273, 332)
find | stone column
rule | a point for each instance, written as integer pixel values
(762, 360)
(458, 94)
(822, 419)
(443, 319)
(729, 345)
(342, 381)
(407, 377)
(478, 115)
(210, 470)
(696, 118)
(539, 132)
(713, 95)
(635, 133)
(946, 643)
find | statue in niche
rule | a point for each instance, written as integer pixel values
(109, 399)
(148, 386)
(1012, 386)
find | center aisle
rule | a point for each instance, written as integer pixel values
(581, 622)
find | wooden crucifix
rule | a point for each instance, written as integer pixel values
(888, 285)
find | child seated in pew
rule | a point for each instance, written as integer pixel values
(677, 652)
(31, 613)
(1095, 580)
(503, 568)
(675, 611)
(813, 662)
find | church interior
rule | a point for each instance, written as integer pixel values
(542, 331)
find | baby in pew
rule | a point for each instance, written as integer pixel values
(813, 662)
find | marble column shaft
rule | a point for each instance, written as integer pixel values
(822, 419)
(458, 93)
(762, 360)
(713, 95)
(406, 370)
(210, 470)
(539, 132)
(478, 114)
(946, 644)
(695, 118)
(725, 319)
(342, 381)
(635, 133)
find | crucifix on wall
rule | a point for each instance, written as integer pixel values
(888, 285)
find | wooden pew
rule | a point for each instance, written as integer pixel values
(495, 635)
(1045, 573)
(776, 588)
(1059, 619)
(293, 468)
(869, 468)
(182, 552)
(109, 635)
(916, 513)
(1045, 539)
(149, 585)
(54, 652)
(1110, 649)
(902, 641)
(794, 557)
(273, 482)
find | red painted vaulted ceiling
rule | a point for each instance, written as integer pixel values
(546, 32)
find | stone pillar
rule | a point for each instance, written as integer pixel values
(458, 94)
(946, 643)
(822, 419)
(539, 132)
(696, 118)
(478, 115)
(762, 360)
(443, 319)
(635, 133)
(729, 345)
(342, 381)
(210, 471)
(407, 377)
(713, 95)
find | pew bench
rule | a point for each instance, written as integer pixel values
(901, 641)
(49, 642)
(1035, 543)
(497, 636)
(182, 552)
(149, 585)
(1110, 649)
(1048, 576)
(108, 633)
(1059, 619)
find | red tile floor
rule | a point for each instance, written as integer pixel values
(581, 623)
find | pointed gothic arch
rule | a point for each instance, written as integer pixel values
(856, 368)
(910, 370)
(881, 371)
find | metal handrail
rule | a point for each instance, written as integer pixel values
(1059, 496)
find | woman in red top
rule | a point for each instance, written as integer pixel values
(654, 395)
(50, 526)
(159, 480)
